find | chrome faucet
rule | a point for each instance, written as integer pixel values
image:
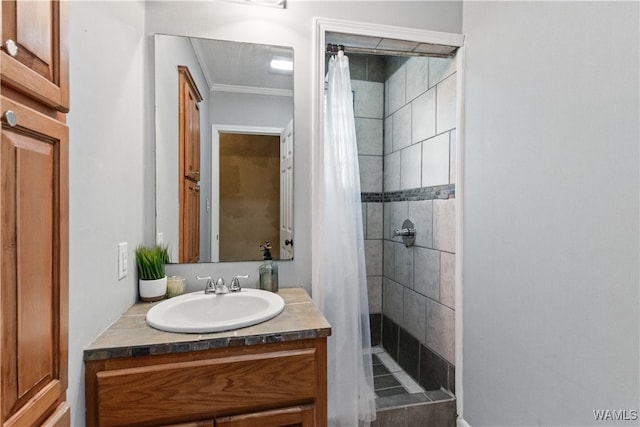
(210, 288)
(235, 283)
(221, 288)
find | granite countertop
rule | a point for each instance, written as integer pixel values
(131, 336)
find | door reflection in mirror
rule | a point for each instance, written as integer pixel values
(249, 195)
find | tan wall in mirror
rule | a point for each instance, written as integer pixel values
(249, 195)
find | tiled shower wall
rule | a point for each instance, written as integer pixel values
(367, 82)
(406, 143)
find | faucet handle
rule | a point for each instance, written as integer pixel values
(235, 283)
(209, 287)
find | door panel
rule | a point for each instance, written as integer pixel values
(38, 16)
(35, 236)
(39, 69)
(192, 167)
(192, 224)
(33, 257)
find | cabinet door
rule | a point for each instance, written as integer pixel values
(33, 259)
(297, 416)
(34, 51)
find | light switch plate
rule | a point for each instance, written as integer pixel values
(122, 260)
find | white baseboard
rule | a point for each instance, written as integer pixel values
(460, 422)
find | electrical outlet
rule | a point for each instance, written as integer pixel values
(122, 260)
(160, 239)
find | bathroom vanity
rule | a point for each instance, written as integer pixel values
(270, 374)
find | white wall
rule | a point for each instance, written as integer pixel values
(550, 212)
(109, 159)
(169, 52)
(244, 109)
(292, 26)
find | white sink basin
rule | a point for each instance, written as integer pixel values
(198, 312)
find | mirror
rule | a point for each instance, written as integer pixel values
(224, 149)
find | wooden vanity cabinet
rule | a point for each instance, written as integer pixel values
(279, 384)
(34, 214)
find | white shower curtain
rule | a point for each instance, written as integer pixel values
(339, 276)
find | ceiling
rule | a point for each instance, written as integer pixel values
(389, 47)
(243, 67)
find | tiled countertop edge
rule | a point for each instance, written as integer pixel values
(200, 345)
(201, 342)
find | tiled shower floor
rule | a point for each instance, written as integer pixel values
(394, 387)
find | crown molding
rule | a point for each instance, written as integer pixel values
(252, 90)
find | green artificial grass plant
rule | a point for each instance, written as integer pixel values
(151, 261)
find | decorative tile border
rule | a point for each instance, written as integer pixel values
(371, 197)
(426, 193)
(447, 191)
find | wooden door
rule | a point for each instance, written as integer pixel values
(34, 261)
(34, 52)
(297, 416)
(189, 174)
(286, 192)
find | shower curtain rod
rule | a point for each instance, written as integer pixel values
(334, 48)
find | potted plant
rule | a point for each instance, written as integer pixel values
(152, 281)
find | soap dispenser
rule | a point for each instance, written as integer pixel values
(268, 270)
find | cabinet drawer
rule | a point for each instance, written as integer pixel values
(205, 388)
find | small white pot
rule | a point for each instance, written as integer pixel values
(152, 290)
